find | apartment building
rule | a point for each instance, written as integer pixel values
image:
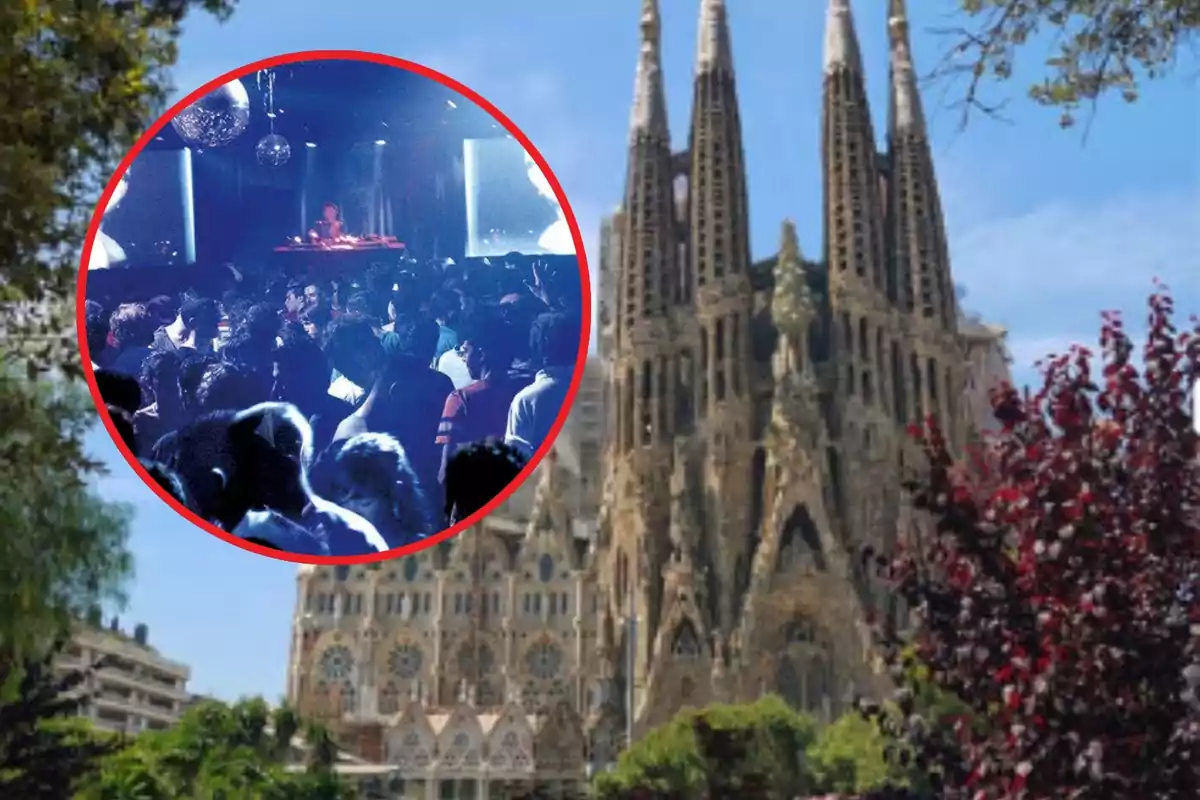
(136, 689)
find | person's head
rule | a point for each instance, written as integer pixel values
(359, 305)
(314, 294)
(228, 386)
(371, 475)
(354, 350)
(232, 462)
(329, 212)
(131, 326)
(96, 325)
(405, 295)
(200, 318)
(316, 319)
(162, 309)
(415, 335)
(476, 474)
(160, 379)
(261, 323)
(554, 340)
(487, 346)
(301, 370)
(293, 297)
(444, 307)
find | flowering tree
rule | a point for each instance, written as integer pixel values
(1059, 598)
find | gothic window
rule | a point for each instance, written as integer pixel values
(411, 567)
(336, 663)
(800, 542)
(864, 341)
(537, 603)
(544, 660)
(899, 402)
(389, 699)
(686, 645)
(868, 388)
(847, 335)
(564, 603)
(553, 604)
(348, 698)
(817, 682)
(341, 573)
(627, 403)
(787, 683)
(529, 698)
(405, 661)
(546, 568)
(914, 366)
(647, 418)
(475, 660)
(736, 349)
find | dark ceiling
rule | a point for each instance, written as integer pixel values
(341, 103)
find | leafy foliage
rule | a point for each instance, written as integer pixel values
(82, 81)
(45, 750)
(850, 757)
(1095, 48)
(218, 750)
(63, 551)
(753, 750)
(1060, 598)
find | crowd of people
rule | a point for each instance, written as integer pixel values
(343, 416)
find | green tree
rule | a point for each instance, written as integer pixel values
(1094, 48)
(82, 80)
(222, 751)
(850, 757)
(64, 549)
(45, 749)
(756, 750)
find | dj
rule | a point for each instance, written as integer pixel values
(329, 226)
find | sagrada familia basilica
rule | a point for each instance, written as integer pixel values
(740, 435)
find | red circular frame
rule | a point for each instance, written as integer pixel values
(398, 63)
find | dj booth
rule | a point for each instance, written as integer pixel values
(326, 259)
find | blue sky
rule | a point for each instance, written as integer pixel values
(1046, 229)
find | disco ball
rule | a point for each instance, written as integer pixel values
(272, 150)
(216, 119)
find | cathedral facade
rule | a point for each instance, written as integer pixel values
(741, 435)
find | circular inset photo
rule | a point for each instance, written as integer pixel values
(334, 307)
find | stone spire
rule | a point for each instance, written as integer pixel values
(713, 50)
(719, 247)
(917, 225)
(905, 112)
(841, 42)
(649, 97)
(854, 222)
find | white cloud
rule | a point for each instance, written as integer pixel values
(1047, 274)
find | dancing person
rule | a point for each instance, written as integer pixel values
(371, 476)
(554, 342)
(329, 226)
(195, 326)
(479, 410)
(132, 335)
(164, 411)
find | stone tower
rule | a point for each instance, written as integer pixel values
(762, 406)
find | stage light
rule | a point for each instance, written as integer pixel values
(451, 104)
(310, 145)
(380, 142)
